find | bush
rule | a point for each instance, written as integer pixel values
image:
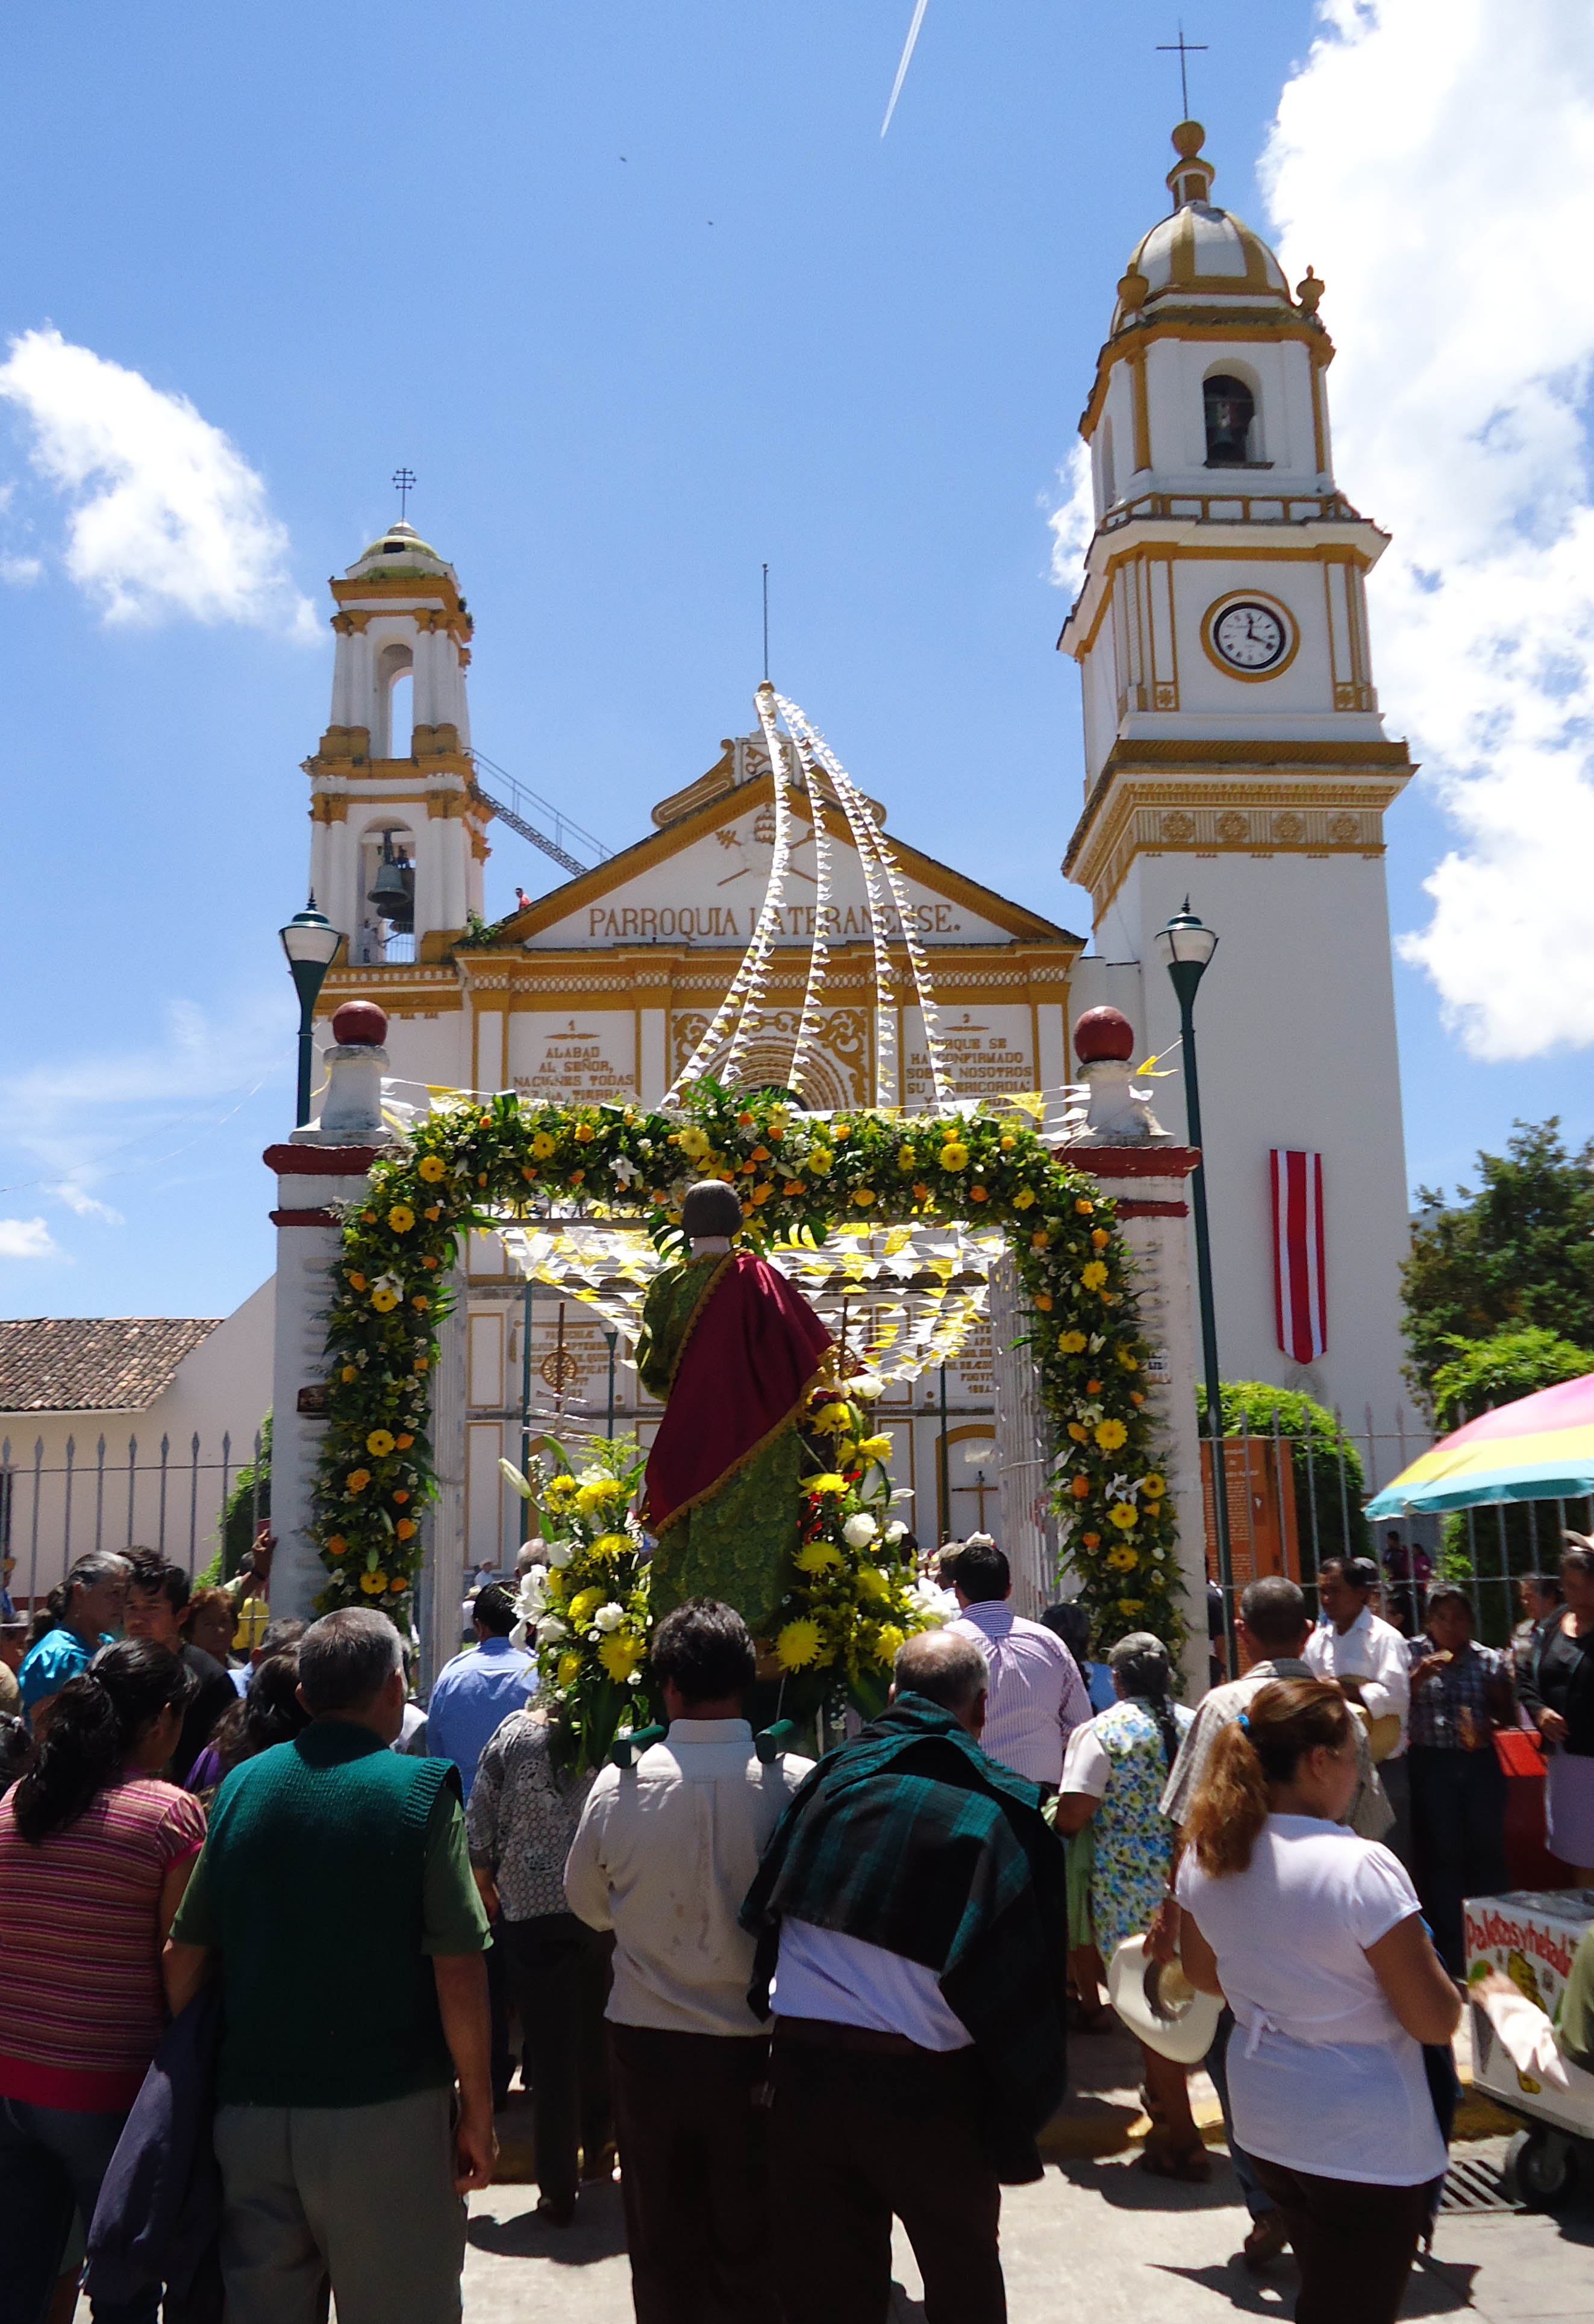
(1340, 1529)
(1481, 1374)
(237, 1525)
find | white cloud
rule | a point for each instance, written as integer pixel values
(20, 572)
(1432, 160)
(26, 1238)
(167, 517)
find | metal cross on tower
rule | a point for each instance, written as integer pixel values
(1181, 48)
(404, 485)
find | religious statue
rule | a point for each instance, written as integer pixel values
(734, 1352)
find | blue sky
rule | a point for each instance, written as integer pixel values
(644, 300)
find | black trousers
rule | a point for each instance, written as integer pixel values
(857, 2136)
(691, 2118)
(1354, 2243)
(558, 1972)
(1458, 1831)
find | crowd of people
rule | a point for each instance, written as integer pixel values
(272, 1933)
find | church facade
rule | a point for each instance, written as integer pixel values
(603, 988)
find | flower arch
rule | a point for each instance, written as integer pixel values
(463, 1166)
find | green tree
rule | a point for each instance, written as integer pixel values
(1321, 1489)
(237, 1525)
(1516, 1253)
(1481, 1374)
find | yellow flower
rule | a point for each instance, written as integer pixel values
(864, 1196)
(1154, 1487)
(818, 1558)
(694, 1143)
(831, 1419)
(1023, 1198)
(584, 1605)
(349, 1372)
(592, 1498)
(401, 1218)
(560, 1484)
(432, 1168)
(373, 1584)
(797, 1646)
(906, 1160)
(609, 1546)
(891, 1637)
(553, 1588)
(955, 1155)
(383, 1300)
(1124, 1515)
(820, 1159)
(872, 1587)
(620, 1654)
(542, 1146)
(1129, 1363)
(357, 1479)
(874, 1448)
(379, 1443)
(1094, 1276)
(828, 1484)
(584, 1133)
(1122, 1558)
(1128, 1607)
(1073, 1343)
(567, 1669)
(1111, 1434)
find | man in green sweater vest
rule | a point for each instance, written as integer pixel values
(335, 1897)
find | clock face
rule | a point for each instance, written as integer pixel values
(1250, 636)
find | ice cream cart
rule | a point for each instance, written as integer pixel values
(1531, 1936)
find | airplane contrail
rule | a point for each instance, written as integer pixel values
(908, 48)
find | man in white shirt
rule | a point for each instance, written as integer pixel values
(1037, 1697)
(664, 1854)
(1366, 1656)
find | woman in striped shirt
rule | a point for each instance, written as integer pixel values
(95, 1854)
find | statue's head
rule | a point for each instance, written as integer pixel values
(711, 1208)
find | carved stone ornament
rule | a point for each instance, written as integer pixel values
(1177, 827)
(1289, 828)
(1233, 826)
(1344, 828)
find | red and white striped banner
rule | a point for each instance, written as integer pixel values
(1300, 1297)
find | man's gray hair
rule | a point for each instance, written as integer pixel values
(346, 1658)
(943, 1664)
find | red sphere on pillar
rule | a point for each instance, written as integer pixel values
(361, 1025)
(1103, 1033)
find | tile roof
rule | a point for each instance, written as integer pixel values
(94, 1363)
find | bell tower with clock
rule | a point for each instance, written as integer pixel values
(1234, 753)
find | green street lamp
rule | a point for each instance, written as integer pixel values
(310, 942)
(1186, 948)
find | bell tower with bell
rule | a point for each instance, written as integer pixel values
(399, 834)
(1234, 753)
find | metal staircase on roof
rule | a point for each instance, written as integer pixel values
(527, 812)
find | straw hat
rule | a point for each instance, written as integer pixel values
(1159, 2005)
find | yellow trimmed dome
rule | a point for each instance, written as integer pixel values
(399, 549)
(1200, 253)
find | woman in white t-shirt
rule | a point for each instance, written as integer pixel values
(1316, 1940)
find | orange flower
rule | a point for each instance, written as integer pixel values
(839, 1129)
(419, 1302)
(1040, 1239)
(978, 1195)
(423, 1363)
(1093, 1387)
(1043, 1300)
(1082, 1207)
(404, 1528)
(1101, 1238)
(401, 1494)
(761, 1154)
(337, 1546)
(403, 1443)
(576, 1177)
(435, 1212)
(357, 1283)
(398, 1584)
(428, 1262)
(796, 1186)
(921, 1194)
(1079, 1487)
(1092, 1540)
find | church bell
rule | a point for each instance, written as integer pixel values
(394, 894)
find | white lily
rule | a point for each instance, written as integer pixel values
(511, 1475)
(860, 1531)
(550, 1630)
(866, 1388)
(895, 1531)
(559, 1554)
(610, 1617)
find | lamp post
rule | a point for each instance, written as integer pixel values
(1186, 948)
(310, 942)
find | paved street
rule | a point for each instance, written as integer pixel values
(1095, 2240)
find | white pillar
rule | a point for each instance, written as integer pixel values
(1029, 1530)
(310, 1177)
(1147, 1184)
(442, 1584)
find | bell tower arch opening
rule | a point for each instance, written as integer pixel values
(1230, 414)
(395, 703)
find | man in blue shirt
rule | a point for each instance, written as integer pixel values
(475, 1693)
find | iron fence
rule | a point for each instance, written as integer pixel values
(55, 1509)
(1321, 1483)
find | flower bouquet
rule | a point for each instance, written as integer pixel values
(856, 1597)
(588, 1611)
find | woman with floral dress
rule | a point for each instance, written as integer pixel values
(1113, 1781)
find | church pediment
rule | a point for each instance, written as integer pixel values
(702, 881)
